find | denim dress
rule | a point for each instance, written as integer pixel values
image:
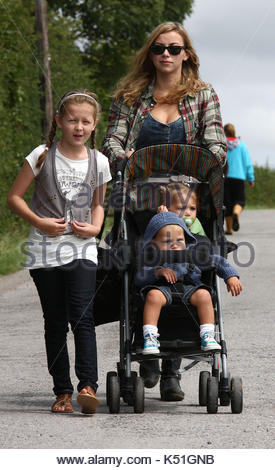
(154, 132)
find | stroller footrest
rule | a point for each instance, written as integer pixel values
(179, 344)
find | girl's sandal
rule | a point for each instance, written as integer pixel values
(63, 404)
(88, 400)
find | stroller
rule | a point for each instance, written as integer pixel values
(135, 198)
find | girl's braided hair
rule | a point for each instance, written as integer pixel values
(78, 96)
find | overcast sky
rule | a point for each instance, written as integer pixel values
(235, 42)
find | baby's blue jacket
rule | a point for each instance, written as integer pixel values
(147, 275)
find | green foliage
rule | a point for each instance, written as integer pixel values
(262, 195)
(11, 255)
(20, 69)
(19, 95)
(114, 29)
(68, 70)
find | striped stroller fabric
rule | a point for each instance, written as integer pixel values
(182, 159)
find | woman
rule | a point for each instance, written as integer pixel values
(163, 86)
(163, 100)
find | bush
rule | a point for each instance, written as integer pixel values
(262, 196)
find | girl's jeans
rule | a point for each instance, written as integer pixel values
(66, 295)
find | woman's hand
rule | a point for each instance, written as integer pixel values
(162, 209)
(51, 226)
(234, 285)
(168, 274)
(84, 230)
(128, 154)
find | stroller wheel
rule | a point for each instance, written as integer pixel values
(113, 398)
(138, 395)
(109, 374)
(236, 395)
(212, 395)
(204, 376)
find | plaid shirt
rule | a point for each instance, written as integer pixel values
(201, 118)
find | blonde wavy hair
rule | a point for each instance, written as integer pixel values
(79, 96)
(142, 73)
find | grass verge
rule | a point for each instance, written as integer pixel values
(11, 256)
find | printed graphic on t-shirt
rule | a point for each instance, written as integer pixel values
(70, 181)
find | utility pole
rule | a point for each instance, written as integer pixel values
(45, 76)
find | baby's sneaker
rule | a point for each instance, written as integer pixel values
(208, 342)
(151, 344)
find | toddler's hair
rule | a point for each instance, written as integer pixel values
(78, 96)
(167, 193)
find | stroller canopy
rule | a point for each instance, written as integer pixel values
(180, 159)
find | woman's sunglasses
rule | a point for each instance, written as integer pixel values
(158, 49)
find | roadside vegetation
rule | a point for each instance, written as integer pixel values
(262, 196)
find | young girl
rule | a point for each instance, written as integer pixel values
(66, 213)
(183, 201)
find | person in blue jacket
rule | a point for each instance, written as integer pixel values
(167, 231)
(239, 169)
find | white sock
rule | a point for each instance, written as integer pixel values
(150, 329)
(206, 327)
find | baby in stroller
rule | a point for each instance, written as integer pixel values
(158, 285)
(181, 199)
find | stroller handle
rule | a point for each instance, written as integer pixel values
(120, 166)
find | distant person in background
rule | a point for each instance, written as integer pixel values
(239, 170)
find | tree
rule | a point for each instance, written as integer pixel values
(112, 30)
(41, 21)
(20, 67)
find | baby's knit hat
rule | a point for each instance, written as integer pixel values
(166, 218)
